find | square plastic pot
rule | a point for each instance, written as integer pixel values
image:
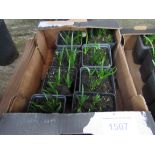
(147, 67)
(62, 89)
(140, 51)
(64, 62)
(87, 57)
(109, 82)
(107, 103)
(39, 99)
(149, 89)
(91, 38)
(60, 42)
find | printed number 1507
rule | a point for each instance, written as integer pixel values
(118, 126)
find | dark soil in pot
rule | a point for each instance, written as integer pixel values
(63, 55)
(51, 85)
(149, 89)
(94, 84)
(96, 55)
(94, 103)
(41, 103)
(147, 67)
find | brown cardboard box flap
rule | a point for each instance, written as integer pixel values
(14, 83)
(123, 75)
(28, 77)
(18, 104)
(138, 103)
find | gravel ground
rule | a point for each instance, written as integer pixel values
(20, 30)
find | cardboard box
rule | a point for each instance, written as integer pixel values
(37, 56)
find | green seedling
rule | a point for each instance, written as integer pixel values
(95, 101)
(49, 105)
(78, 37)
(90, 71)
(51, 88)
(98, 56)
(153, 62)
(59, 56)
(105, 73)
(81, 100)
(97, 46)
(71, 56)
(86, 48)
(103, 34)
(58, 77)
(69, 38)
(94, 84)
(66, 37)
(68, 79)
(148, 40)
(101, 74)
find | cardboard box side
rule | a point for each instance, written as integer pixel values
(41, 44)
(135, 71)
(129, 45)
(16, 78)
(43, 53)
(27, 78)
(108, 123)
(30, 83)
(129, 41)
(124, 79)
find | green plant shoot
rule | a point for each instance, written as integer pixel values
(68, 79)
(58, 77)
(150, 41)
(71, 56)
(81, 100)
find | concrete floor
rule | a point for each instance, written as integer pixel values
(20, 30)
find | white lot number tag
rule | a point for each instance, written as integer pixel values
(48, 24)
(118, 123)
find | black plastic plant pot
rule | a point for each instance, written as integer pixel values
(63, 55)
(105, 38)
(140, 51)
(8, 51)
(149, 89)
(64, 38)
(51, 84)
(93, 102)
(41, 103)
(94, 55)
(147, 67)
(92, 83)
(152, 109)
